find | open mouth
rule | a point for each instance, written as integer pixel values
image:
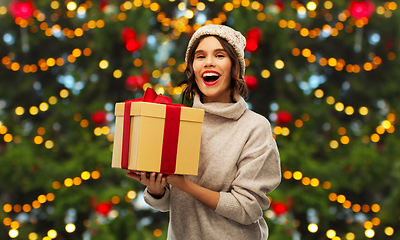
(210, 78)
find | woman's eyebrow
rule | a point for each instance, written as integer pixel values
(216, 50)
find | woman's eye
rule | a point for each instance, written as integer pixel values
(201, 56)
(220, 55)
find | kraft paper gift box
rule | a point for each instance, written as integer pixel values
(156, 137)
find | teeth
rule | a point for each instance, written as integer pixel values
(209, 74)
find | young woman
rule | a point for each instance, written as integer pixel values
(239, 160)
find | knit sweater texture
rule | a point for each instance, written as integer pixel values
(238, 158)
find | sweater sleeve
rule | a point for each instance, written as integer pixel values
(161, 204)
(258, 174)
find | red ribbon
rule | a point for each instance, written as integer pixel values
(171, 130)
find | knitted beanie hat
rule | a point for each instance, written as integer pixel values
(234, 38)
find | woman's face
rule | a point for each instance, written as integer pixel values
(212, 70)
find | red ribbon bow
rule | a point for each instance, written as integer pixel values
(171, 130)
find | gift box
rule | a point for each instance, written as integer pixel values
(154, 135)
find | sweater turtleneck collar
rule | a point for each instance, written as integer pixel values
(227, 110)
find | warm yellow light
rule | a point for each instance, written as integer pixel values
(51, 62)
(313, 228)
(368, 225)
(95, 174)
(52, 233)
(319, 93)
(52, 100)
(19, 111)
(345, 140)
(375, 208)
(389, 231)
(363, 111)
(85, 175)
(328, 4)
(103, 64)
(68, 182)
(189, 14)
(297, 175)
(117, 73)
(369, 233)
(77, 181)
(14, 225)
(386, 124)
(331, 233)
(71, 6)
(314, 182)
(277, 130)
(375, 137)
(32, 236)
(115, 200)
(43, 107)
(265, 73)
(285, 131)
(341, 198)
(38, 140)
(157, 233)
(50, 197)
(105, 130)
(349, 110)
(279, 64)
(131, 194)
(330, 100)
(333, 197)
(33, 110)
(339, 106)
(8, 137)
(70, 227)
(287, 174)
(64, 93)
(305, 181)
(311, 6)
(49, 144)
(350, 236)
(356, 207)
(201, 6)
(334, 144)
(13, 233)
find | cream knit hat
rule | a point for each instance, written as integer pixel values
(234, 38)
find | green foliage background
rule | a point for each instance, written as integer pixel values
(365, 172)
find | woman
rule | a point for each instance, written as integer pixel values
(239, 160)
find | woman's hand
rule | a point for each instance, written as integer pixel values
(176, 180)
(155, 183)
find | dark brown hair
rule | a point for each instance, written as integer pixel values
(237, 85)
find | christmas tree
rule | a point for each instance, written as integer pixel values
(323, 72)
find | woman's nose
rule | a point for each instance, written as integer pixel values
(209, 61)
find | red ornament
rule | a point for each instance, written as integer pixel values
(132, 45)
(251, 45)
(104, 208)
(21, 9)
(255, 34)
(361, 9)
(251, 82)
(279, 4)
(283, 117)
(279, 208)
(99, 117)
(103, 4)
(128, 34)
(135, 82)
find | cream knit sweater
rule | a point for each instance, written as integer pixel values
(238, 158)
